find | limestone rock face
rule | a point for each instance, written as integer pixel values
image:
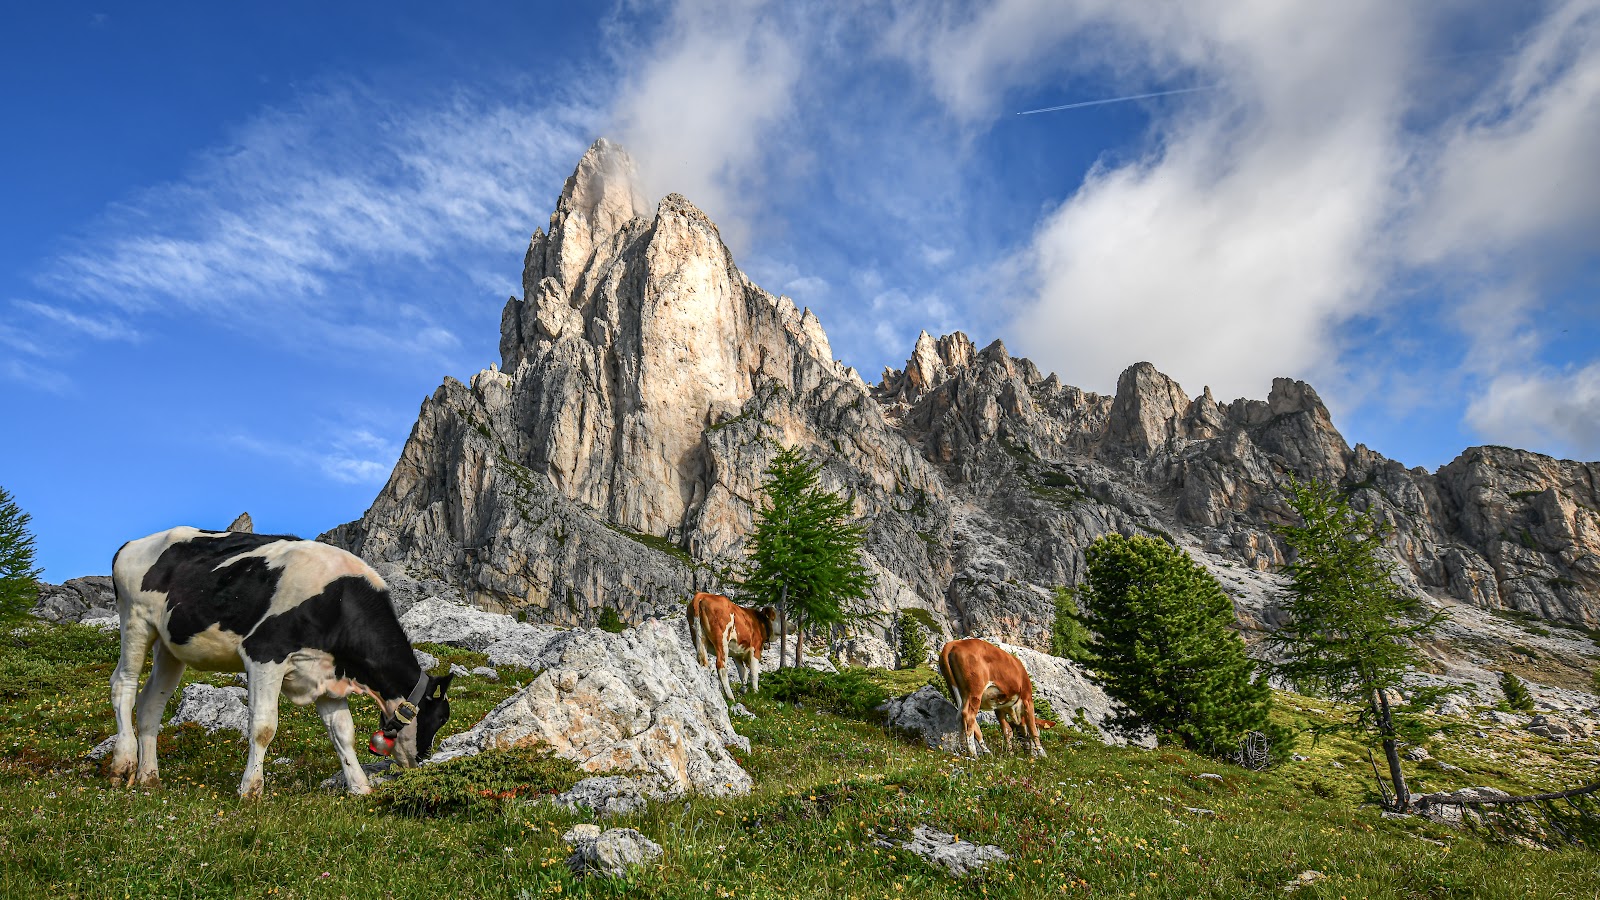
(613, 459)
(629, 703)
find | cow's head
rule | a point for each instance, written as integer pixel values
(412, 742)
(769, 619)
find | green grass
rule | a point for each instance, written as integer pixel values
(1088, 821)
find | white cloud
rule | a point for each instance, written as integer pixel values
(698, 103)
(1559, 410)
(1516, 171)
(347, 456)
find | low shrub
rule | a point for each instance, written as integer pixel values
(477, 784)
(851, 693)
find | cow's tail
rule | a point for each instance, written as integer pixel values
(949, 676)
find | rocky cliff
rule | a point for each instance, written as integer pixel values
(613, 457)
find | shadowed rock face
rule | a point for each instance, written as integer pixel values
(614, 457)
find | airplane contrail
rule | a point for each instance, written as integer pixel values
(1188, 90)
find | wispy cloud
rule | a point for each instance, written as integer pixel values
(347, 456)
(315, 214)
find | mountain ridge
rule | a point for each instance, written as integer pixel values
(613, 458)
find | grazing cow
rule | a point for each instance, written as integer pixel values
(300, 618)
(733, 630)
(983, 676)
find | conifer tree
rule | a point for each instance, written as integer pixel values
(19, 586)
(1069, 637)
(1516, 693)
(913, 649)
(1164, 648)
(805, 553)
(1352, 630)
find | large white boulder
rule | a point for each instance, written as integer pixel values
(635, 702)
(439, 620)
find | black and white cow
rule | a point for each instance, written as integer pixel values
(300, 618)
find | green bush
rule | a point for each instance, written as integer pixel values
(913, 650)
(1516, 693)
(477, 784)
(610, 621)
(1069, 637)
(851, 693)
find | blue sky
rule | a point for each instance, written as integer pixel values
(239, 246)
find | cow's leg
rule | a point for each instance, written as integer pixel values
(137, 637)
(969, 723)
(1003, 714)
(722, 662)
(1031, 723)
(335, 713)
(266, 683)
(165, 673)
(755, 672)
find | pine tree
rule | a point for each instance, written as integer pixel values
(19, 586)
(805, 553)
(610, 621)
(1069, 637)
(1352, 630)
(1164, 647)
(1516, 693)
(913, 650)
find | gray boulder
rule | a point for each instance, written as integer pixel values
(945, 851)
(212, 708)
(607, 795)
(426, 660)
(635, 702)
(89, 597)
(486, 673)
(929, 715)
(608, 853)
(376, 775)
(243, 523)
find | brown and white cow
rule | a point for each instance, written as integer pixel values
(982, 676)
(715, 622)
(302, 619)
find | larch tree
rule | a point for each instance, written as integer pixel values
(19, 584)
(805, 554)
(1352, 630)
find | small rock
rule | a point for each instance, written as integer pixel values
(1417, 753)
(427, 661)
(608, 853)
(606, 795)
(1335, 764)
(945, 851)
(1309, 876)
(1211, 775)
(374, 772)
(459, 670)
(1298, 758)
(212, 708)
(1200, 811)
(101, 749)
(486, 673)
(282, 760)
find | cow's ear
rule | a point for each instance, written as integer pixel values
(442, 683)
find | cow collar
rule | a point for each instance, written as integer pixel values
(406, 712)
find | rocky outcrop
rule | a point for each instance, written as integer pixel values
(77, 599)
(242, 523)
(634, 703)
(947, 852)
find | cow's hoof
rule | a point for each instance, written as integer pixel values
(149, 779)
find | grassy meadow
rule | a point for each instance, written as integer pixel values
(1088, 821)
